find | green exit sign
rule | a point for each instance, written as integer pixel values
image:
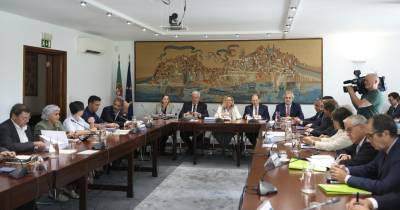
(46, 40)
(46, 43)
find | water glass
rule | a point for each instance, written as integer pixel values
(309, 180)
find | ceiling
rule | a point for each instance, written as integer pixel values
(213, 19)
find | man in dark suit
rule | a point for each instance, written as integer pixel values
(381, 175)
(255, 110)
(195, 109)
(113, 114)
(389, 201)
(361, 152)
(288, 108)
(15, 134)
(394, 109)
(326, 127)
(316, 119)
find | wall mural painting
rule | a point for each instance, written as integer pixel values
(237, 68)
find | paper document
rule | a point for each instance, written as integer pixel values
(321, 160)
(67, 151)
(341, 189)
(270, 145)
(59, 137)
(23, 157)
(121, 132)
(307, 146)
(87, 152)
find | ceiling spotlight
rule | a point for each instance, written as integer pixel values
(128, 22)
(176, 36)
(205, 36)
(293, 8)
(290, 18)
(143, 29)
(156, 34)
(83, 3)
(237, 35)
(109, 14)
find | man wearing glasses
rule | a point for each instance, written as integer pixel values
(381, 175)
(15, 134)
(361, 152)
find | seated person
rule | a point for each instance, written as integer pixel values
(94, 103)
(338, 141)
(113, 114)
(127, 111)
(16, 135)
(255, 110)
(163, 108)
(326, 127)
(288, 108)
(75, 124)
(381, 175)
(361, 152)
(50, 120)
(390, 201)
(394, 110)
(316, 119)
(196, 109)
(227, 110)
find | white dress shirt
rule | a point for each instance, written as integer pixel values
(72, 125)
(23, 138)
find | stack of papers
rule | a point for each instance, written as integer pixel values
(321, 161)
(303, 164)
(209, 120)
(274, 136)
(341, 189)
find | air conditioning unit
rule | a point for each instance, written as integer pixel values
(90, 45)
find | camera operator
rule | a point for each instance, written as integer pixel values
(372, 101)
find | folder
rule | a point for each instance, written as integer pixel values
(298, 164)
(341, 189)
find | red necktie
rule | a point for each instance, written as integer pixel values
(287, 111)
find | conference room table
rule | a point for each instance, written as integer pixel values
(287, 181)
(74, 168)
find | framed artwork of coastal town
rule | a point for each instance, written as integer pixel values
(229, 67)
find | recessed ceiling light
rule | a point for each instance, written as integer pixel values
(205, 36)
(290, 18)
(109, 14)
(176, 36)
(237, 35)
(285, 32)
(143, 29)
(128, 22)
(156, 34)
(287, 25)
(83, 3)
(293, 8)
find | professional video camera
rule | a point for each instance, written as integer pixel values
(358, 83)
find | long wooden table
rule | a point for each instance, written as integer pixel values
(287, 182)
(75, 168)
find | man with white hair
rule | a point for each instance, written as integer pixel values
(361, 152)
(196, 109)
(371, 102)
(288, 108)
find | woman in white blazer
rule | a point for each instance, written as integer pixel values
(163, 108)
(338, 141)
(227, 111)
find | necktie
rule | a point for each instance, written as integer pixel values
(287, 111)
(256, 111)
(194, 108)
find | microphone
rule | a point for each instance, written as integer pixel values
(74, 121)
(327, 202)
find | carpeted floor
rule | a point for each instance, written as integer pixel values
(201, 188)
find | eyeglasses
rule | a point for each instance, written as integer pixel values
(370, 135)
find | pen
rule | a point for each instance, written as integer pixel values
(357, 199)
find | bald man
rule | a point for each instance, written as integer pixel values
(370, 103)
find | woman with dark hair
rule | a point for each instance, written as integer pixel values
(75, 124)
(338, 141)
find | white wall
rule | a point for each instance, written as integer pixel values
(86, 74)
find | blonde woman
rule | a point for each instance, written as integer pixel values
(227, 111)
(165, 106)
